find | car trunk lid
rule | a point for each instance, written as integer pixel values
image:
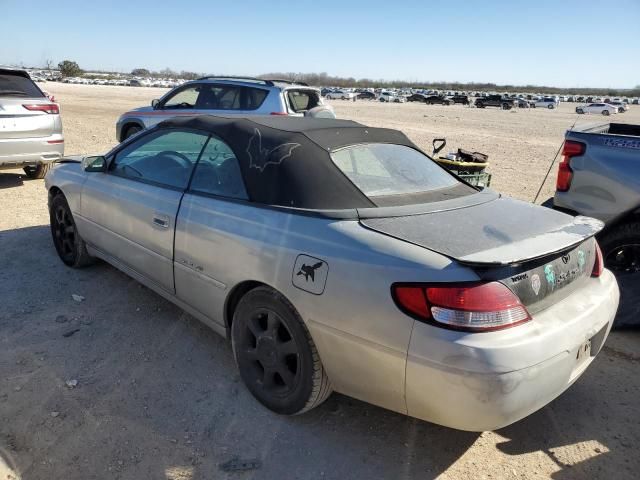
(540, 254)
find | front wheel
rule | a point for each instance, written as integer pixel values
(131, 131)
(550, 107)
(605, 113)
(276, 356)
(70, 246)
(39, 171)
(579, 111)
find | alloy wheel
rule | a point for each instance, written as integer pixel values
(270, 350)
(64, 231)
(624, 259)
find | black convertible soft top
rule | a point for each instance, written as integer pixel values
(285, 161)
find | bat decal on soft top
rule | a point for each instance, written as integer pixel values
(260, 157)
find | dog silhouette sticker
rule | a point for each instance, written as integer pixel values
(310, 274)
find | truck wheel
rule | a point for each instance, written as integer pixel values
(277, 359)
(70, 246)
(621, 251)
(39, 171)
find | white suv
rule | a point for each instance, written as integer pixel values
(30, 125)
(226, 96)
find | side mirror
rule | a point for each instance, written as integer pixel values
(155, 102)
(94, 164)
(442, 142)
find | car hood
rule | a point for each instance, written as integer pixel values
(503, 231)
(141, 109)
(74, 158)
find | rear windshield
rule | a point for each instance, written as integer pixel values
(380, 170)
(302, 100)
(17, 86)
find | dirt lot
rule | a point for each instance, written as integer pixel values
(157, 394)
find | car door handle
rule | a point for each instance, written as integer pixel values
(161, 221)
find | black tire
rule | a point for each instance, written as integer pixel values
(130, 131)
(71, 249)
(550, 107)
(276, 357)
(606, 113)
(39, 171)
(343, 98)
(579, 111)
(621, 251)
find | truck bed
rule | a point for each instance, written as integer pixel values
(610, 129)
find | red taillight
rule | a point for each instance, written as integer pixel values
(475, 307)
(412, 299)
(43, 107)
(278, 113)
(598, 266)
(565, 174)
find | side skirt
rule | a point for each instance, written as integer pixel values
(215, 326)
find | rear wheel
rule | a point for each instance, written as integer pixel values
(71, 249)
(579, 111)
(550, 107)
(39, 171)
(275, 354)
(621, 251)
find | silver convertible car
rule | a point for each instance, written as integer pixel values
(338, 257)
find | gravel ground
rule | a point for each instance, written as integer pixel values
(157, 394)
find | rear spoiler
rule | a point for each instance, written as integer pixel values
(536, 247)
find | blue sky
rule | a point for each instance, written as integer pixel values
(563, 43)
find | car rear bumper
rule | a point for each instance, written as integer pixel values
(19, 152)
(487, 381)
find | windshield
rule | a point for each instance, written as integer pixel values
(383, 169)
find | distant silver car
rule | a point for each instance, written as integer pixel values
(335, 256)
(30, 125)
(225, 96)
